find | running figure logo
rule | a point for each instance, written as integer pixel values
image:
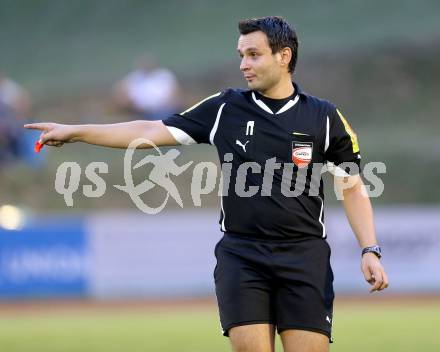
(163, 166)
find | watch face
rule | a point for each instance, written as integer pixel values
(376, 249)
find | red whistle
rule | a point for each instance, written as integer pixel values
(38, 147)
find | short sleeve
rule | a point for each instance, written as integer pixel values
(342, 145)
(195, 124)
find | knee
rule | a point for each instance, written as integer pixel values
(250, 347)
(252, 339)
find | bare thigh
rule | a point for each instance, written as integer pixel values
(304, 341)
(253, 338)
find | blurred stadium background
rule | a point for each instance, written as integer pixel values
(102, 276)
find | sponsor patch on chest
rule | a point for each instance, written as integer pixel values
(302, 153)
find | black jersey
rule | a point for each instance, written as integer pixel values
(271, 159)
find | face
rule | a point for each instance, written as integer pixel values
(261, 68)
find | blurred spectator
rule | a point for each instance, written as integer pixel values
(149, 90)
(14, 106)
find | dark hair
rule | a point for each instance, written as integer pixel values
(279, 34)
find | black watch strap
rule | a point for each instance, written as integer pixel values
(373, 249)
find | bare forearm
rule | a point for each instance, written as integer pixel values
(120, 135)
(360, 215)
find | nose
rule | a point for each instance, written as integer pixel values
(244, 64)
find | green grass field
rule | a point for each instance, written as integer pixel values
(397, 326)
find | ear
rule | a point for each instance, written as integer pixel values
(286, 56)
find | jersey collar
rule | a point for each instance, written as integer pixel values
(291, 103)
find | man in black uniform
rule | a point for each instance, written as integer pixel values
(273, 269)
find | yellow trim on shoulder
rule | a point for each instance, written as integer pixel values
(200, 102)
(351, 133)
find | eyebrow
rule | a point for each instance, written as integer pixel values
(249, 49)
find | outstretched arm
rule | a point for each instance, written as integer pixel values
(118, 135)
(359, 212)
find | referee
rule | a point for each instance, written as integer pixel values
(273, 271)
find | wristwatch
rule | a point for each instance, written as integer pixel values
(373, 249)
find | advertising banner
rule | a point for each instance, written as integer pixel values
(48, 258)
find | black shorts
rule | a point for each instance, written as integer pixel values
(285, 283)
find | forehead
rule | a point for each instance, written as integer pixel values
(256, 40)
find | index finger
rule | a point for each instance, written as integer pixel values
(378, 280)
(37, 126)
(385, 281)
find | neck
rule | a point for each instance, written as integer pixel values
(283, 89)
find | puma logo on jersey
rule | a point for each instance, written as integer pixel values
(241, 144)
(328, 319)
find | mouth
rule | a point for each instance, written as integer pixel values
(249, 77)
